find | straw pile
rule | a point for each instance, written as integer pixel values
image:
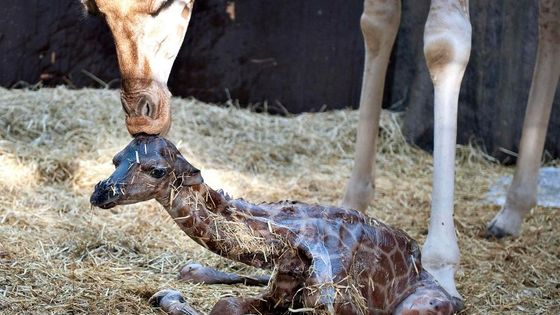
(57, 255)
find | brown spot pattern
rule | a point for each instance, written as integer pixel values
(438, 54)
(325, 257)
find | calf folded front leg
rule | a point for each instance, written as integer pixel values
(172, 302)
(447, 46)
(196, 273)
(242, 306)
(320, 291)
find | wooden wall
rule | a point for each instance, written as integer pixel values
(296, 55)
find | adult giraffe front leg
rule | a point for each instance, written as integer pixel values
(522, 194)
(379, 22)
(148, 35)
(447, 46)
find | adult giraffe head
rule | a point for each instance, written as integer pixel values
(148, 35)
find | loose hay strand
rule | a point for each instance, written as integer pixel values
(58, 256)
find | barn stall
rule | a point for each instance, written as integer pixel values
(58, 255)
(300, 56)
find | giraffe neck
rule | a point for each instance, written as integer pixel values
(195, 209)
(207, 217)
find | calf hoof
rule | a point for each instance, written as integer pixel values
(165, 296)
(171, 302)
(429, 301)
(195, 273)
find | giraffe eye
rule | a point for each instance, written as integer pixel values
(158, 172)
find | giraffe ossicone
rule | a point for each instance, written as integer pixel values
(325, 258)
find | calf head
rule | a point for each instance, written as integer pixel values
(148, 35)
(149, 167)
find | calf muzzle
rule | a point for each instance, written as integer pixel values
(106, 194)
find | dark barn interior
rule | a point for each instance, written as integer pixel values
(299, 56)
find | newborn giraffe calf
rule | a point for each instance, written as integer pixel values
(325, 259)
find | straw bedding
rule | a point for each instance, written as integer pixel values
(59, 256)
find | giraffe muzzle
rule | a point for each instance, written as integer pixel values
(106, 194)
(146, 104)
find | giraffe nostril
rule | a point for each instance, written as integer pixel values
(146, 106)
(102, 185)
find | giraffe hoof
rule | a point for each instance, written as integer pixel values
(164, 296)
(495, 232)
(429, 301)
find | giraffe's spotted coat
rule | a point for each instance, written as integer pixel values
(324, 257)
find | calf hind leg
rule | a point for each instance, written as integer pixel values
(173, 303)
(428, 301)
(521, 196)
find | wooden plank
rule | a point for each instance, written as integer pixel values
(299, 56)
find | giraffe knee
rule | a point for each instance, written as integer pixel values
(438, 55)
(442, 54)
(228, 305)
(241, 306)
(447, 39)
(382, 12)
(379, 23)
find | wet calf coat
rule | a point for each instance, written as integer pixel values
(330, 259)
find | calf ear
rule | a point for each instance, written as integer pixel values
(188, 174)
(194, 178)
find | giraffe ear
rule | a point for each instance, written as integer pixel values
(186, 173)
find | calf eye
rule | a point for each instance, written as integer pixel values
(158, 172)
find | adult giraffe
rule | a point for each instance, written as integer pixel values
(149, 33)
